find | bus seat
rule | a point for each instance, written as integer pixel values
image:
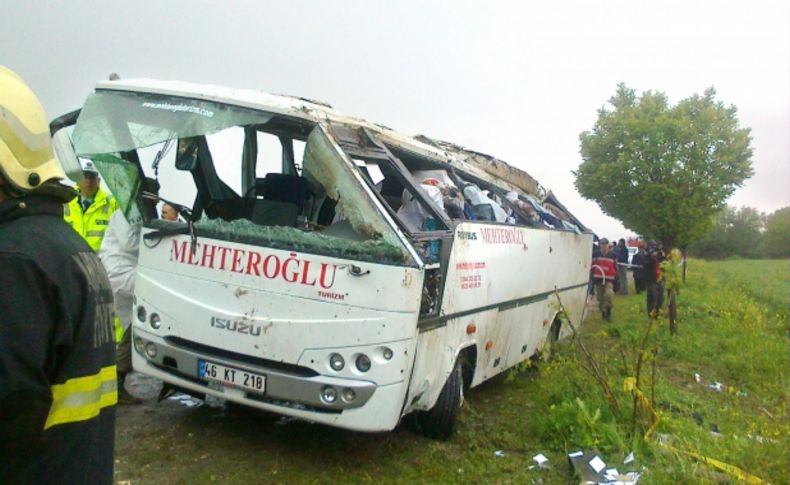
(283, 188)
(274, 213)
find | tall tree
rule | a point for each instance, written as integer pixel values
(736, 232)
(664, 171)
(776, 239)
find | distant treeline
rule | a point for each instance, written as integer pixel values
(746, 233)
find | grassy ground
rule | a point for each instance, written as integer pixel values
(733, 330)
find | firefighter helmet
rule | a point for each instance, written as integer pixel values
(26, 156)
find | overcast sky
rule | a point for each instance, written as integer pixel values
(516, 80)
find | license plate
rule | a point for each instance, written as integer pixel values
(232, 377)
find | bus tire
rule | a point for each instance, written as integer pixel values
(439, 421)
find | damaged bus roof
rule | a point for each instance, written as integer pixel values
(485, 167)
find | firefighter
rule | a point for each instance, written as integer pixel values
(57, 352)
(89, 213)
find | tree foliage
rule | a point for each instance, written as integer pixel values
(776, 238)
(664, 171)
(736, 232)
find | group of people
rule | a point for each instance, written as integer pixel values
(67, 266)
(609, 272)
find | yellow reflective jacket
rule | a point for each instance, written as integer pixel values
(91, 224)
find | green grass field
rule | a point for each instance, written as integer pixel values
(733, 330)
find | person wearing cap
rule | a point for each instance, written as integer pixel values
(57, 354)
(604, 270)
(89, 212)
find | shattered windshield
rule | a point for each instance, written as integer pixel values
(116, 122)
(237, 174)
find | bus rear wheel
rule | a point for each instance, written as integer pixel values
(439, 421)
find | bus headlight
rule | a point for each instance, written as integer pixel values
(328, 394)
(336, 362)
(155, 321)
(139, 345)
(363, 363)
(150, 349)
(387, 353)
(349, 394)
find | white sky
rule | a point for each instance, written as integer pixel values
(516, 80)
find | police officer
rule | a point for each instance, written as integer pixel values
(57, 353)
(89, 213)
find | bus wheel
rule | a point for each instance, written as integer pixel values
(438, 422)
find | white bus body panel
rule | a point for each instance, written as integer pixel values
(299, 315)
(501, 280)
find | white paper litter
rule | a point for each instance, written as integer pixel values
(597, 464)
(629, 458)
(186, 400)
(697, 377)
(575, 454)
(540, 459)
(611, 473)
(499, 453)
(717, 386)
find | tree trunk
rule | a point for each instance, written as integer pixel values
(673, 313)
(684, 265)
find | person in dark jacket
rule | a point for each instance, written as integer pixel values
(57, 349)
(639, 260)
(622, 267)
(654, 280)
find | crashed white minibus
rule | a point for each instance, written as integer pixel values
(325, 267)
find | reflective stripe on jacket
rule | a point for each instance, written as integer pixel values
(604, 266)
(91, 224)
(58, 385)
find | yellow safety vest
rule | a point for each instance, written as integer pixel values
(92, 223)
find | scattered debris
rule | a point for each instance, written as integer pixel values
(597, 464)
(499, 453)
(186, 400)
(540, 459)
(629, 458)
(591, 469)
(716, 386)
(616, 478)
(697, 377)
(761, 439)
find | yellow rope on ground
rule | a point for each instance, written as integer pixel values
(629, 385)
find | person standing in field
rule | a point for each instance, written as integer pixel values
(622, 266)
(639, 260)
(57, 352)
(604, 268)
(89, 212)
(654, 281)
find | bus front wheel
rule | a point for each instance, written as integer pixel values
(439, 421)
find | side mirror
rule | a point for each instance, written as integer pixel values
(64, 150)
(186, 158)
